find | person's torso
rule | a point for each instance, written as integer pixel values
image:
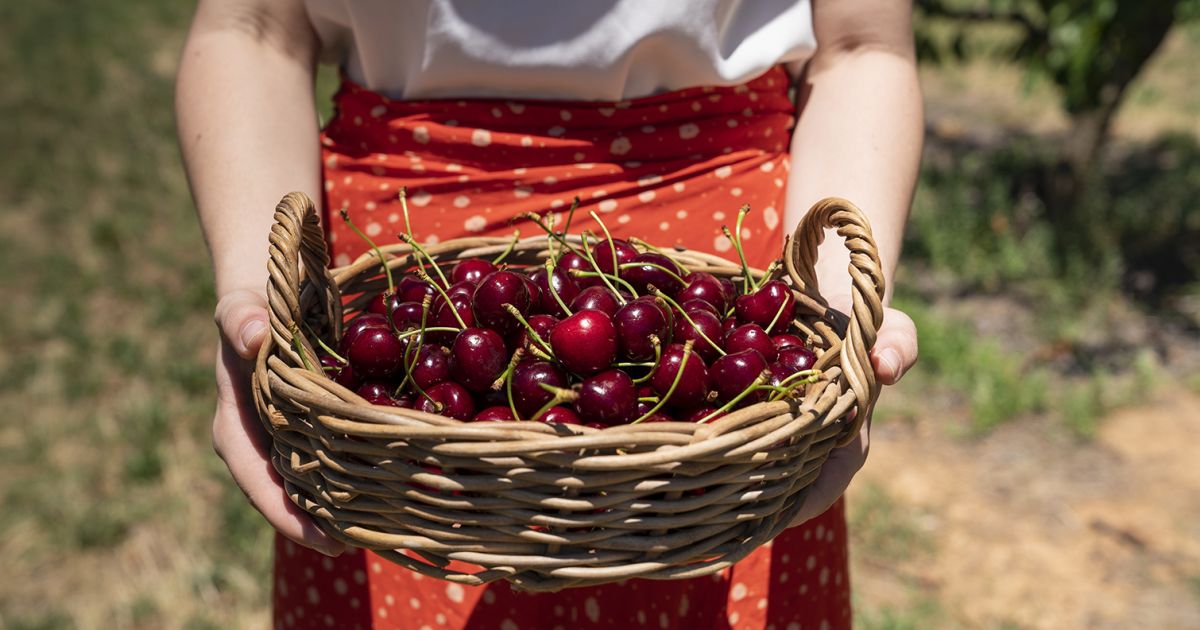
(551, 49)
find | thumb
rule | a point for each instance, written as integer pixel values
(895, 348)
(241, 315)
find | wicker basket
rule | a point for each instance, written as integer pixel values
(544, 506)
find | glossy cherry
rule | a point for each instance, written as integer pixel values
(701, 321)
(383, 303)
(750, 337)
(702, 285)
(563, 284)
(694, 306)
(571, 261)
(471, 270)
(495, 413)
(542, 324)
(560, 415)
(762, 306)
(413, 289)
(598, 298)
(375, 353)
(432, 365)
(609, 397)
(380, 393)
(448, 399)
(785, 340)
(602, 253)
(796, 359)
(636, 323)
(477, 358)
(493, 292)
(528, 395)
(693, 383)
(734, 373)
(643, 276)
(407, 315)
(360, 323)
(586, 342)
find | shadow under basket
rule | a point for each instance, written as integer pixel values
(548, 506)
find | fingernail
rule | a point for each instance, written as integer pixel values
(890, 359)
(250, 333)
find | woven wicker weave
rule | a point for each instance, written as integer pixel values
(552, 506)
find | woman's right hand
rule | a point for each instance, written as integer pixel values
(238, 436)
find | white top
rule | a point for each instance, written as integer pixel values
(559, 49)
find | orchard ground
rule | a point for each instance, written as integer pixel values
(1033, 471)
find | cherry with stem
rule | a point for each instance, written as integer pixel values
(687, 354)
(658, 293)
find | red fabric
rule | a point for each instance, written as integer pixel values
(670, 169)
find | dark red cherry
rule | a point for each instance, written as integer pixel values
(705, 322)
(657, 416)
(448, 399)
(586, 342)
(750, 337)
(693, 306)
(785, 340)
(704, 286)
(432, 365)
(461, 288)
(347, 378)
(380, 393)
(384, 303)
(477, 358)
(643, 276)
(636, 322)
(571, 261)
(535, 292)
(496, 413)
(762, 306)
(528, 395)
(734, 373)
(360, 323)
(698, 414)
(444, 317)
(602, 253)
(541, 323)
(471, 270)
(563, 284)
(560, 415)
(493, 292)
(596, 425)
(728, 324)
(375, 353)
(731, 290)
(597, 298)
(693, 383)
(413, 289)
(796, 359)
(609, 397)
(407, 315)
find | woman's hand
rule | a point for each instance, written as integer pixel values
(238, 436)
(894, 353)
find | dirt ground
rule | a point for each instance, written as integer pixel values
(1029, 527)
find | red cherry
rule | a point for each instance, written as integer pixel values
(528, 395)
(796, 359)
(571, 261)
(495, 413)
(608, 397)
(750, 337)
(643, 276)
(636, 322)
(448, 399)
(380, 393)
(586, 342)
(413, 289)
(598, 298)
(471, 270)
(477, 358)
(360, 323)
(602, 253)
(695, 306)
(542, 324)
(560, 415)
(702, 321)
(704, 286)
(375, 353)
(693, 383)
(734, 373)
(432, 365)
(406, 314)
(493, 292)
(785, 340)
(762, 306)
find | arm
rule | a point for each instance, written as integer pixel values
(248, 131)
(859, 136)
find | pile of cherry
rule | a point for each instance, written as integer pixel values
(603, 334)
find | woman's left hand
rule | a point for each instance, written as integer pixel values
(894, 353)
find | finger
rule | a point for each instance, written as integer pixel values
(242, 317)
(241, 442)
(895, 349)
(837, 471)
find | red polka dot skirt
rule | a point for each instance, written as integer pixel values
(669, 169)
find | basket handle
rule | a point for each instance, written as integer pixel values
(867, 289)
(297, 252)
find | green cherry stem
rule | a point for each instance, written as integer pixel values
(553, 291)
(508, 250)
(321, 342)
(508, 369)
(560, 396)
(660, 251)
(442, 292)
(295, 330)
(512, 310)
(555, 236)
(766, 276)
(426, 302)
(778, 314)
(587, 254)
(579, 273)
(762, 378)
(420, 251)
(374, 248)
(658, 293)
(654, 341)
(687, 353)
(673, 275)
(612, 246)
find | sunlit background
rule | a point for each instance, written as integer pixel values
(1037, 469)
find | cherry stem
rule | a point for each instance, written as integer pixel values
(375, 248)
(321, 342)
(417, 248)
(442, 292)
(508, 250)
(426, 302)
(687, 353)
(674, 275)
(579, 273)
(762, 378)
(587, 254)
(736, 239)
(654, 341)
(633, 364)
(660, 251)
(766, 276)
(555, 236)
(787, 385)
(416, 331)
(612, 246)
(554, 291)
(560, 396)
(778, 314)
(508, 369)
(657, 293)
(512, 310)
(295, 330)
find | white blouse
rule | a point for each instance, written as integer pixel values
(559, 49)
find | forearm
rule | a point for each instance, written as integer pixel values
(247, 128)
(858, 136)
